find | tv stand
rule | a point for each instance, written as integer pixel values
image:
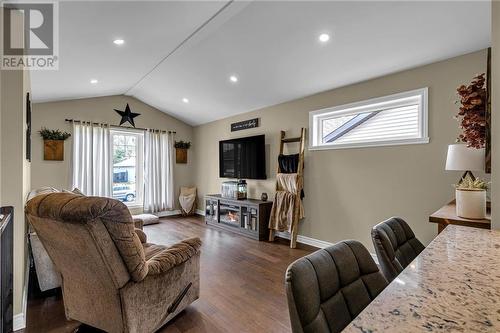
(248, 217)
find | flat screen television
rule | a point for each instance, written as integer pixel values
(243, 158)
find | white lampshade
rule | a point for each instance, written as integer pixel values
(463, 158)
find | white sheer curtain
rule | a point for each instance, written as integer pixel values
(158, 171)
(91, 169)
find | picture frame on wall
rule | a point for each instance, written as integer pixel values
(28, 127)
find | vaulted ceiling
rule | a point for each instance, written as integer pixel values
(178, 55)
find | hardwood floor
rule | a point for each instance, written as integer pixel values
(242, 283)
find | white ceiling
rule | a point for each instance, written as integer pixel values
(189, 49)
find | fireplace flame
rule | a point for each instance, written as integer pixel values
(233, 217)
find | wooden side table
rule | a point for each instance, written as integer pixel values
(447, 215)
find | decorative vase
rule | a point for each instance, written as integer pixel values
(53, 150)
(471, 204)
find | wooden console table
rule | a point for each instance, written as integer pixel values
(447, 215)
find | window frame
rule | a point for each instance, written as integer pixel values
(139, 172)
(371, 105)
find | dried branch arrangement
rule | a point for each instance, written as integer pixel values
(472, 114)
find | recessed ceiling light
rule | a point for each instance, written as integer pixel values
(119, 41)
(94, 81)
(323, 38)
(233, 78)
(185, 100)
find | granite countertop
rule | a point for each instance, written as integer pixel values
(452, 286)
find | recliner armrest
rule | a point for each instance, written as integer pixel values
(173, 256)
(142, 236)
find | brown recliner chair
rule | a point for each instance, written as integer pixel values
(112, 279)
(327, 289)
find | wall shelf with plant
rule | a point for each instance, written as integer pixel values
(53, 144)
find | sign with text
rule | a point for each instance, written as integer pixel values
(246, 124)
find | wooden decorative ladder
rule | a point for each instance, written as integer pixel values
(300, 172)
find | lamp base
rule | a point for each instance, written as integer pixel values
(467, 173)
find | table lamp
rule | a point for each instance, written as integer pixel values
(463, 158)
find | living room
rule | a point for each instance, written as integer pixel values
(211, 166)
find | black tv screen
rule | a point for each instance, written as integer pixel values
(243, 158)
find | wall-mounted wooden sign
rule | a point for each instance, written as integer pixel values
(246, 124)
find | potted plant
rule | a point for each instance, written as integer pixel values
(53, 144)
(468, 153)
(470, 197)
(181, 148)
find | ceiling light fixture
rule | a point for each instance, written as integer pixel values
(185, 100)
(119, 41)
(233, 78)
(94, 81)
(323, 38)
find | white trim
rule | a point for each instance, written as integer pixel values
(302, 239)
(315, 117)
(168, 213)
(372, 144)
(306, 240)
(315, 242)
(19, 320)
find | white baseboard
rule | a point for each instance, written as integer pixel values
(302, 239)
(168, 213)
(305, 240)
(315, 242)
(19, 320)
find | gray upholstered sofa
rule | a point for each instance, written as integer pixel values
(112, 279)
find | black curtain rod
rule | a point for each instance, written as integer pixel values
(116, 126)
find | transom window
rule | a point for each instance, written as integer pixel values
(127, 166)
(391, 120)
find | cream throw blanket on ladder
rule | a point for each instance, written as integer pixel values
(289, 186)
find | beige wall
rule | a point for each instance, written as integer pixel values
(15, 169)
(1, 94)
(348, 191)
(52, 116)
(495, 100)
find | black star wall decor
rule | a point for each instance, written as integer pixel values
(127, 115)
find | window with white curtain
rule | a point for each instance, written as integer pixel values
(391, 120)
(127, 164)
